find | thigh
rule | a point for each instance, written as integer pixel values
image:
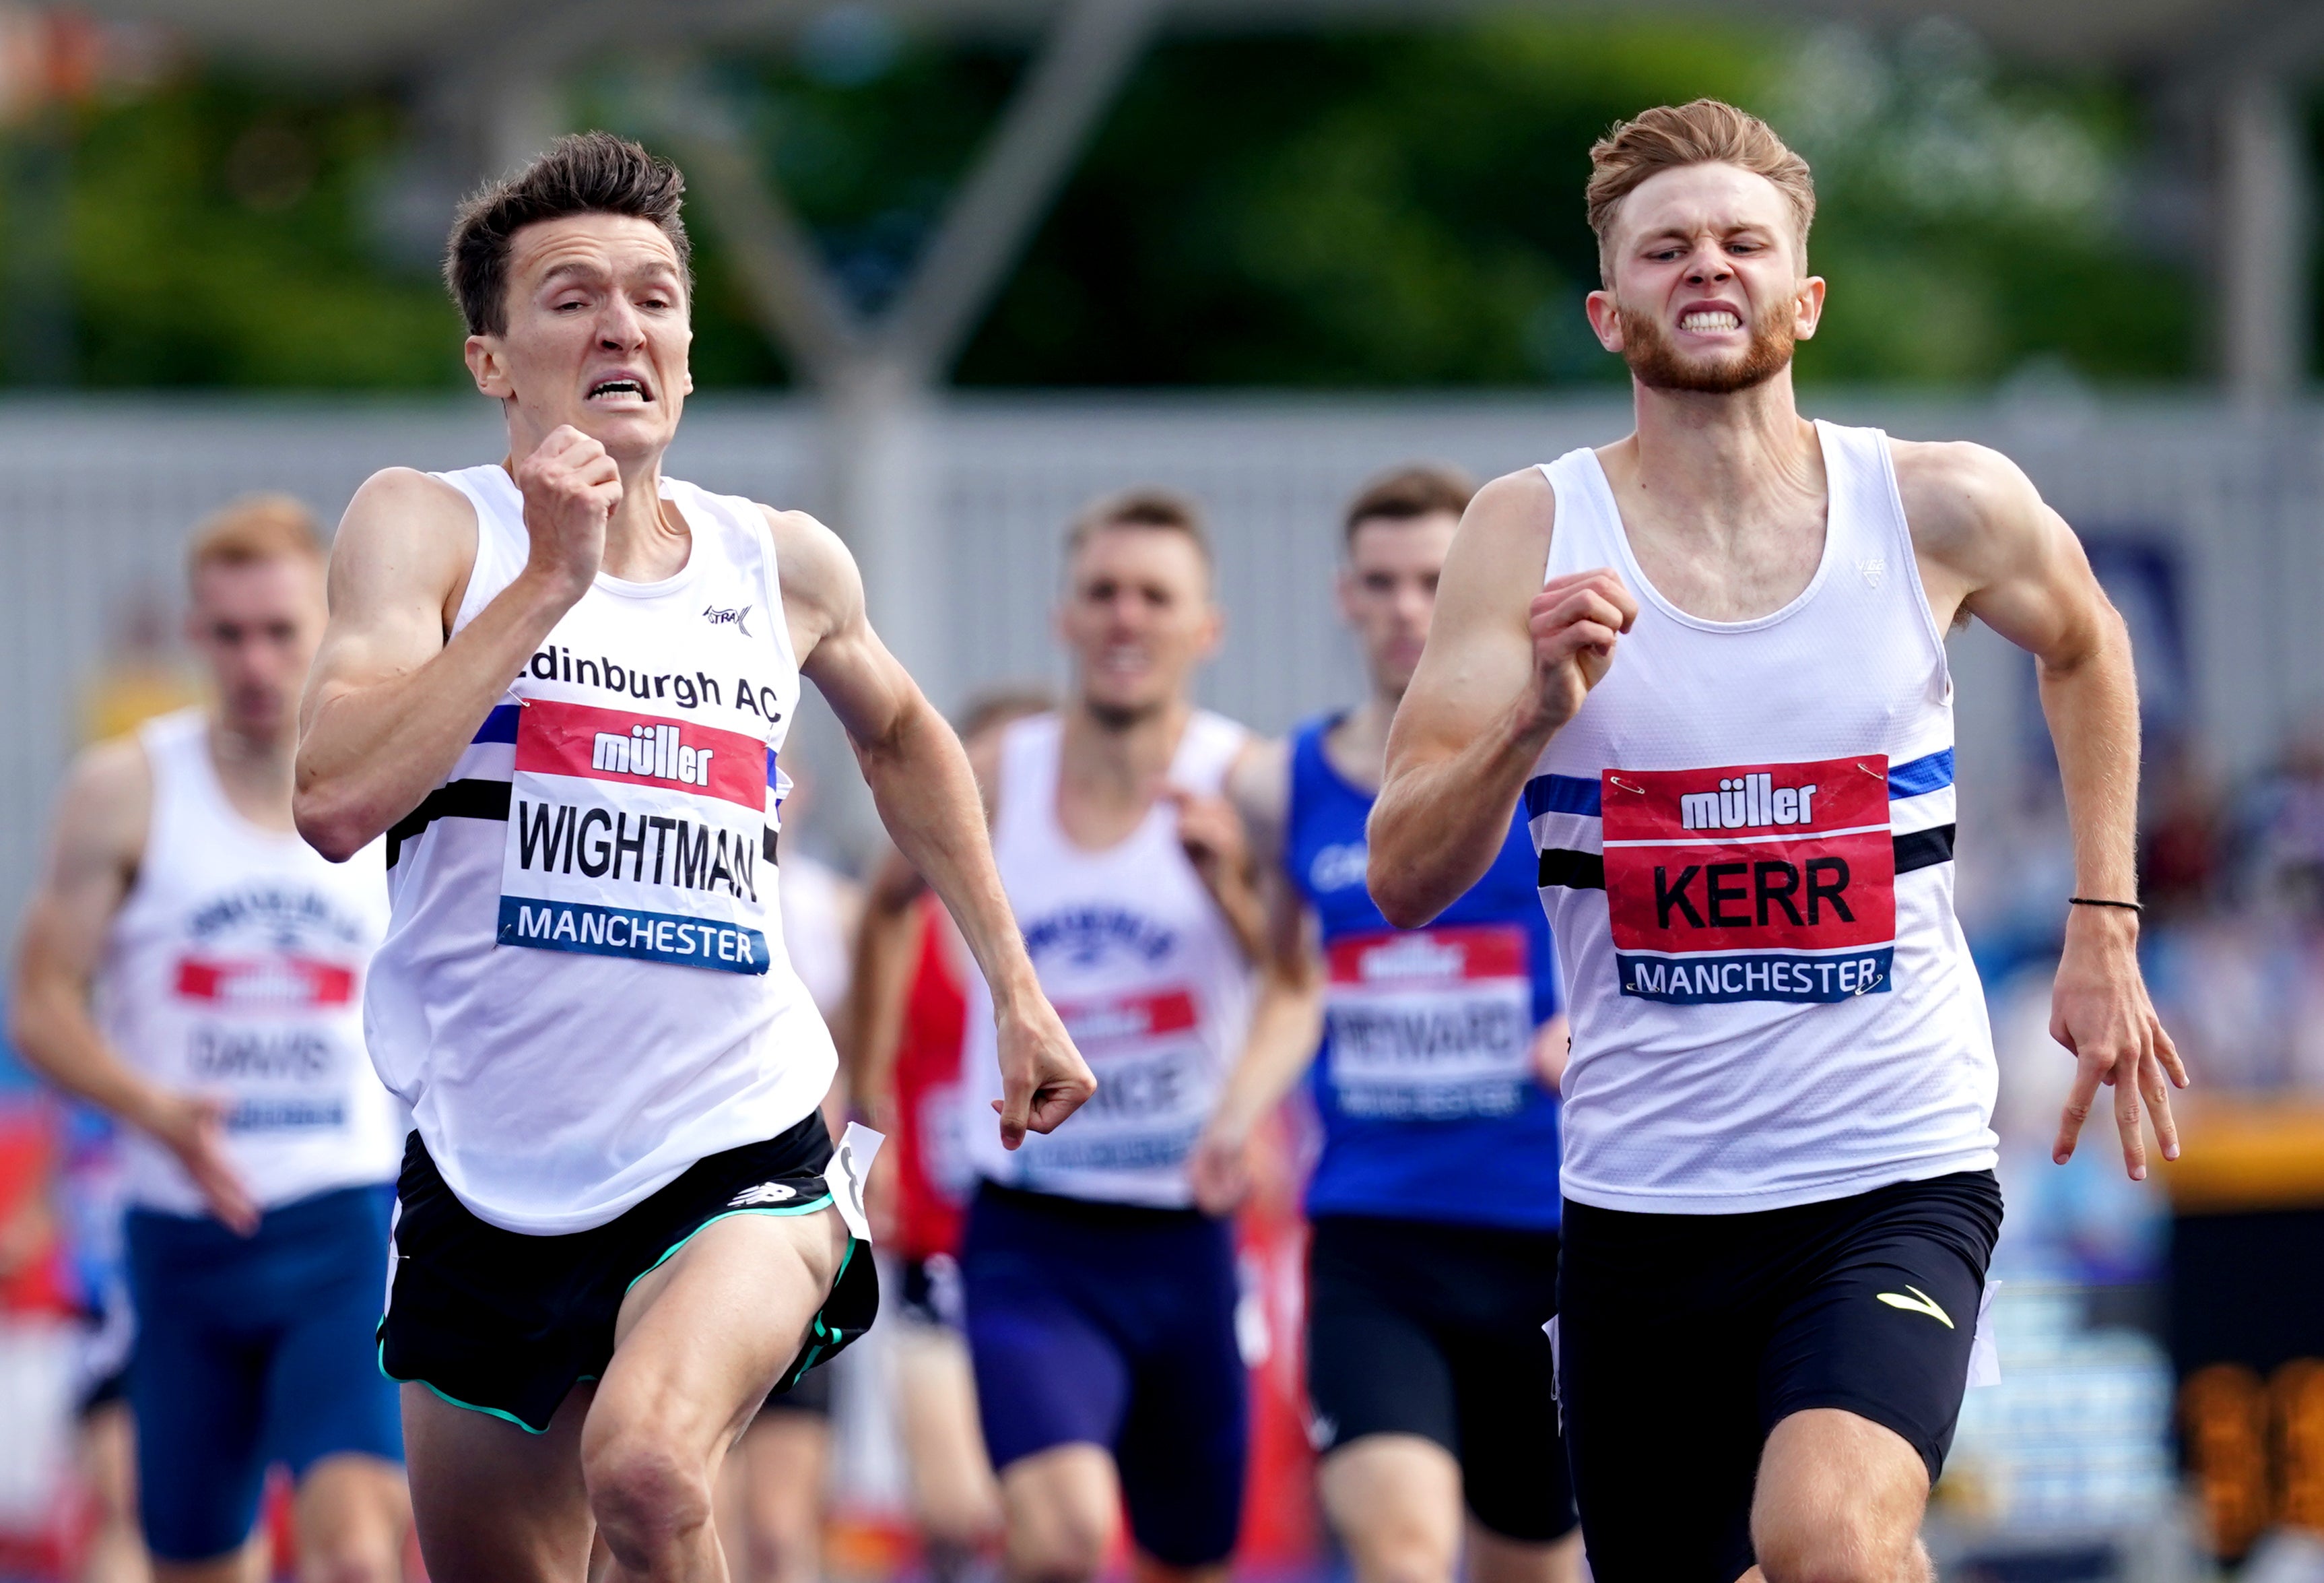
(196, 1392)
(706, 1334)
(1048, 1371)
(1513, 1473)
(493, 1501)
(1658, 1392)
(1184, 1441)
(1882, 1322)
(1373, 1367)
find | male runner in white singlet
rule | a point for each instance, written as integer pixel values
(1709, 659)
(558, 685)
(1099, 1300)
(227, 961)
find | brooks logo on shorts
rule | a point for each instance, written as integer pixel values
(766, 1192)
(1920, 1302)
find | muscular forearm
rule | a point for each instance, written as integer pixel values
(1285, 1027)
(2091, 697)
(1438, 826)
(371, 751)
(50, 1025)
(928, 798)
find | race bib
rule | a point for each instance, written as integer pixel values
(1432, 1024)
(1151, 1094)
(1757, 882)
(635, 834)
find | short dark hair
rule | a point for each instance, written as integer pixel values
(583, 173)
(1408, 494)
(1145, 506)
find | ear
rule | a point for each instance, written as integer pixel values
(1605, 319)
(1808, 310)
(488, 367)
(1343, 592)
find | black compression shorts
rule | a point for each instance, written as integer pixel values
(1435, 1330)
(1684, 1339)
(506, 1323)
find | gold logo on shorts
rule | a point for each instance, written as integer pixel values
(1920, 1302)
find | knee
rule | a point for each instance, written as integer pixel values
(368, 1558)
(1403, 1552)
(1842, 1548)
(1066, 1544)
(645, 1493)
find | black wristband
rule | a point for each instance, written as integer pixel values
(2101, 901)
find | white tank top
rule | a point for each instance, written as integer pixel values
(1139, 961)
(1746, 852)
(236, 968)
(584, 987)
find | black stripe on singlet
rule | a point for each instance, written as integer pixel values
(1586, 871)
(452, 799)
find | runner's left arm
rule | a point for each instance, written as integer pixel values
(1989, 547)
(1288, 1022)
(928, 799)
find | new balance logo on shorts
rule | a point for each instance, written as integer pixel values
(1920, 1302)
(766, 1192)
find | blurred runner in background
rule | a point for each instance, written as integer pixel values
(1434, 1206)
(908, 1020)
(1101, 1301)
(226, 958)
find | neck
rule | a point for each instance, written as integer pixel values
(1358, 745)
(1128, 751)
(1720, 460)
(253, 756)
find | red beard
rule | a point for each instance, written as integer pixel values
(1657, 364)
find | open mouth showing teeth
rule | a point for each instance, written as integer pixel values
(630, 387)
(1709, 320)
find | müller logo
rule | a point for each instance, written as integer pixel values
(1745, 801)
(653, 751)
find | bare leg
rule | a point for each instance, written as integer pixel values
(953, 1485)
(494, 1504)
(109, 1459)
(352, 1513)
(776, 1474)
(1060, 1509)
(1839, 1500)
(699, 1343)
(1395, 1502)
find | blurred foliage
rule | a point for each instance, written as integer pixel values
(1373, 210)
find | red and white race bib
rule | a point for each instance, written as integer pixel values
(637, 835)
(1146, 1051)
(1752, 882)
(1430, 1024)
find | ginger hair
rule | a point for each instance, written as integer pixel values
(253, 529)
(1670, 137)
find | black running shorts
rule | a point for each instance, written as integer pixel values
(506, 1323)
(1684, 1339)
(1435, 1330)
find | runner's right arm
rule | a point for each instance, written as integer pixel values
(98, 842)
(1288, 1019)
(1509, 661)
(392, 704)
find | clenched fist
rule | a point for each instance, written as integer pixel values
(571, 488)
(1575, 621)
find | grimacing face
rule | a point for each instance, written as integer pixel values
(1138, 616)
(1709, 291)
(256, 625)
(598, 332)
(1388, 591)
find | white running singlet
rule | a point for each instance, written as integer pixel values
(583, 989)
(1746, 852)
(1140, 962)
(236, 968)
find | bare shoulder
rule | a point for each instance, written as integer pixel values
(1519, 505)
(413, 502)
(1258, 784)
(1957, 494)
(405, 536)
(822, 588)
(105, 804)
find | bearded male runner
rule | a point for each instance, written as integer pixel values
(1433, 1205)
(191, 967)
(558, 684)
(1100, 1299)
(1710, 658)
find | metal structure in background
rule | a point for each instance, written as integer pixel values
(99, 497)
(2226, 73)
